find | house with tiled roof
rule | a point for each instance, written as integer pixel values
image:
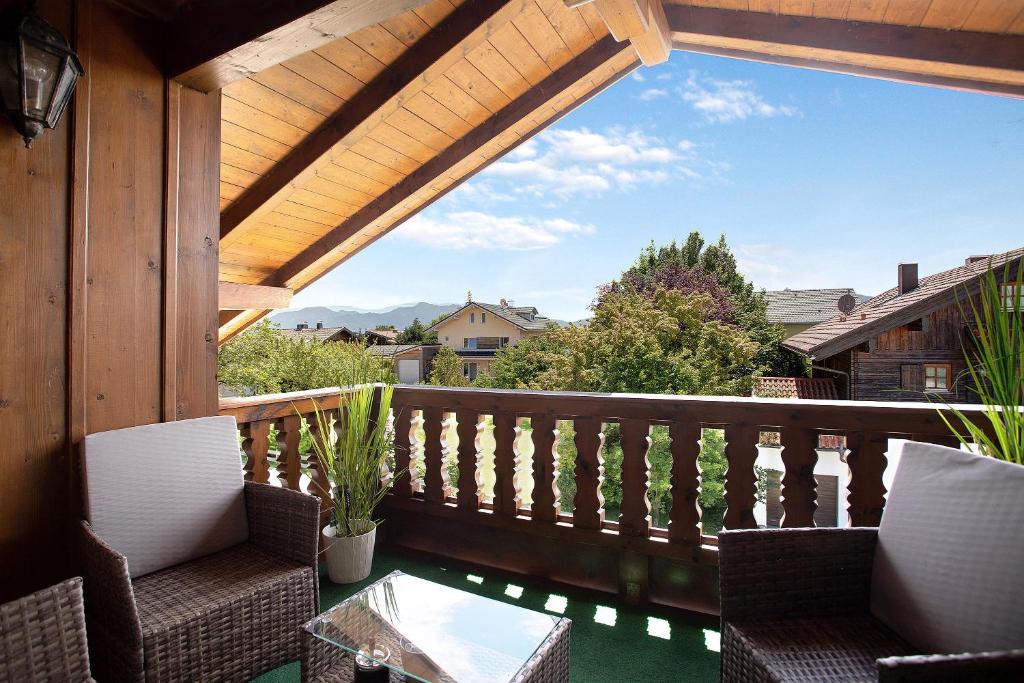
(321, 333)
(798, 309)
(907, 342)
(477, 330)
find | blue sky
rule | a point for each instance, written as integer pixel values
(816, 179)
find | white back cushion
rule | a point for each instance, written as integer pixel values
(949, 567)
(163, 494)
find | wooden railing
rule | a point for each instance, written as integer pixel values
(423, 417)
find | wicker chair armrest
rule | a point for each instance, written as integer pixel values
(43, 635)
(996, 667)
(283, 522)
(115, 632)
(795, 572)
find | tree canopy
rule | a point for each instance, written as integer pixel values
(447, 369)
(416, 333)
(262, 360)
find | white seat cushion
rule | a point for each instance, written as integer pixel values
(949, 566)
(163, 494)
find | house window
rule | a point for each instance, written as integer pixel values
(483, 318)
(469, 370)
(503, 343)
(446, 339)
(1012, 294)
(472, 317)
(936, 376)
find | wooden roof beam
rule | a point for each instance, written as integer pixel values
(983, 62)
(233, 296)
(294, 273)
(469, 25)
(642, 22)
(219, 43)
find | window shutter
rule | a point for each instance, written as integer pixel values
(912, 377)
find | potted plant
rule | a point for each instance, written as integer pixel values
(353, 460)
(994, 357)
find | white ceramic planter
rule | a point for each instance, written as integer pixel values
(348, 557)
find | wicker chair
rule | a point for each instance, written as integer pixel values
(226, 615)
(811, 605)
(42, 636)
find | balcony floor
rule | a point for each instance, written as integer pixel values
(648, 644)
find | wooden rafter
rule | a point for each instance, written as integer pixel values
(233, 296)
(642, 22)
(297, 272)
(219, 43)
(962, 59)
(466, 27)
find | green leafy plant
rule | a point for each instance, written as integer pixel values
(995, 367)
(354, 457)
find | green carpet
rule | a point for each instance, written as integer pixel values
(641, 645)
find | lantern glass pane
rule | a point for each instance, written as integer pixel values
(41, 70)
(62, 93)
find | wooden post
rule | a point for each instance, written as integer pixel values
(436, 477)
(867, 462)
(588, 506)
(506, 462)
(546, 504)
(635, 511)
(799, 488)
(469, 494)
(684, 517)
(740, 479)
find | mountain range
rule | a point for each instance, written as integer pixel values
(357, 319)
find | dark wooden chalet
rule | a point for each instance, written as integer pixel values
(907, 342)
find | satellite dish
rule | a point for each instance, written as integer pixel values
(846, 304)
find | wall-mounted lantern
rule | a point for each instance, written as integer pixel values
(38, 72)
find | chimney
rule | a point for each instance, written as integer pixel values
(302, 326)
(906, 280)
(504, 303)
(974, 259)
(319, 324)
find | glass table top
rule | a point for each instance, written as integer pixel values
(434, 633)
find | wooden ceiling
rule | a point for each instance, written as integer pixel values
(328, 150)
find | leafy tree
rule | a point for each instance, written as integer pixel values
(441, 317)
(416, 333)
(447, 369)
(380, 328)
(697, 267)
(262, 360)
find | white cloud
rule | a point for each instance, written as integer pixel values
(666, 76)
(652, 94)
(726, 101)
(564, 163)
(637, 76)
(478, 230)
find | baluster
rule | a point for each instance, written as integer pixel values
(545, 506)
(402, 485)
(447, 429)
(469, 428)
(417, 457)
(506, 464)
(289, 462)
(684, 517)
(799, 488)
(588, 512)
(740, 478)
(635, 512)
(318, 483)
(387, 476)
(867, 462)
(434, 450)
(256, 443)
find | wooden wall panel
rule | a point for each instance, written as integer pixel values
(125, 223)
(34, 472)
(108, 277)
